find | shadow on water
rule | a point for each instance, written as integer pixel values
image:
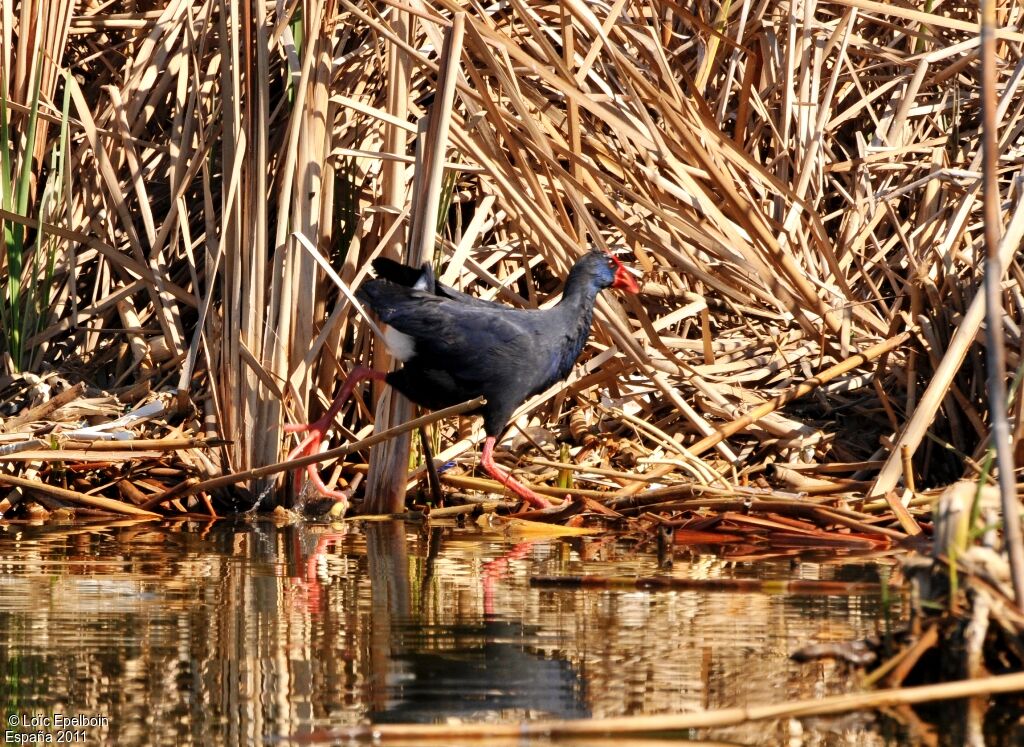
(253, 633)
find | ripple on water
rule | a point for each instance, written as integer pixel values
(246, 632)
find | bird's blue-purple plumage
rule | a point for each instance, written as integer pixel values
(464, 347)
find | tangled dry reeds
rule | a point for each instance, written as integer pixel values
(800, 183)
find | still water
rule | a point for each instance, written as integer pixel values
(256, 633)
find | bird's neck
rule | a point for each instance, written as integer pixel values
(576, 309)
(578, 295)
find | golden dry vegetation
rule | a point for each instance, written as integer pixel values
(801, 184)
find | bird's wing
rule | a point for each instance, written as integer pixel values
(446, 291)
(468, 340)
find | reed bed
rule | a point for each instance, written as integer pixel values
(801, 184)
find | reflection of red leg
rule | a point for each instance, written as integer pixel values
(497, 569)
(311, 443)
(487, 462)
(308, 586)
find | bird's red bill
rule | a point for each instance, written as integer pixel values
(623, 277)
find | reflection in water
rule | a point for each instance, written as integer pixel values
(476, 672)
(251, 633)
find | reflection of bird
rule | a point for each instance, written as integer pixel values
(475, 671)
(455, 347)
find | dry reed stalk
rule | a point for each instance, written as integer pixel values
(144, 444)
(385, 482)
(77, 498)
(799, 183)
(77, 455)
(996, 350)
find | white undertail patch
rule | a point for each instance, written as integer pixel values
(401, 345)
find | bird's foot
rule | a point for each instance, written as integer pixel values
(491, 467)
(317, 431)
(524, 492)
(311, 444)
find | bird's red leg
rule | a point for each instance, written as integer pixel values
(487, 462)
(311, 443)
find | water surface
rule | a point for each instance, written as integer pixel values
(254, 633)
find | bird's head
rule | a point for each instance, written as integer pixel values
(609, 272)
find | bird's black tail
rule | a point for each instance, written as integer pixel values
(410, 277)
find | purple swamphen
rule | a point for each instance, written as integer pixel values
(455, 347)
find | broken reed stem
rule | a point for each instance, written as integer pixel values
(698, 492)
(902, 513)
(832, 516)
(141, 444)
(175, 491)
(834, 704)
(47, 456)
(39, 412)
(908, 468)
(995, 352)
(32, 444)
(73, 449)
(272, 469)
(80, 499)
